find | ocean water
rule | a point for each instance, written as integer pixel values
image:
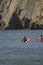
(15, 52)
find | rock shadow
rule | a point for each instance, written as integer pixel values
(15, 22)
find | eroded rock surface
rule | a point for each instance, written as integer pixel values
(21, 14)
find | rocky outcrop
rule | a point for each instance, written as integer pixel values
(21, 14)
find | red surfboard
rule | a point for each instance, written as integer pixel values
(40, 39)
(28, 39)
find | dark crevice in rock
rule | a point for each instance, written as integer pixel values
(2, 24)
(20, 11)
(1, 11)
(0, 17)
(36, 26)
(15, 22)
(26, 22)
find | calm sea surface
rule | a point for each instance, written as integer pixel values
(15, 52)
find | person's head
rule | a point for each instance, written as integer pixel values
(41, 35)
(24, 36)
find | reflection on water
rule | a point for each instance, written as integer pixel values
(15, 52)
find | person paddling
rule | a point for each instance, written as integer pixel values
(40, 38)
(24, 39)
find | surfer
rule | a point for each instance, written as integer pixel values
(24, 39)
(40, 38)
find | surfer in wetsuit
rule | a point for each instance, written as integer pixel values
(24, 39)
(40, 38)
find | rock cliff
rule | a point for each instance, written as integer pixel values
(21, 14)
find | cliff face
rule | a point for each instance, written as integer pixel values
(21, 14)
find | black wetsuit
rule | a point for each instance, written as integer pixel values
(41, 38)
(25, 39)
